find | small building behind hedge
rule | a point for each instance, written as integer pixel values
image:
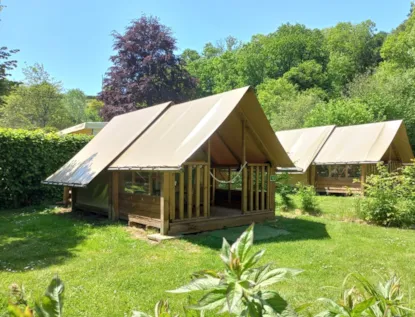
(89, 128)
(162, 166)
(330, 158)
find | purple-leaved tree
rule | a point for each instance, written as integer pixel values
(145, 70)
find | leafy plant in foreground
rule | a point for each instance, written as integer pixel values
(50, 305)
(241, 288)
(366, 299)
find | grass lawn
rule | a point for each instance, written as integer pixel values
(331, 207)
(109, 273)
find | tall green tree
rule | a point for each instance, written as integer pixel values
(75, 103)
(35, 104)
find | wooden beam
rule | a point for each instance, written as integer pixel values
(272, 195)
(172, 196)
(257, 188)
(362, 178)
(255, 136)
(209, 167)
(66, 196)
(268, 187)
(236, 157)
(251, 188)
(197, 185)
(181, 195)
(115, 194)
(263, 187)
(109, 195)
(312, 175)
(164, 203)
(73, 198)
(189, 192)
(213, 187)
(229, 185)
(244, 172)
(205, 190)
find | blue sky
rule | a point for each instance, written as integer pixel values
(72, 38)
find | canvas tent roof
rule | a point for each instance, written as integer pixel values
(184, 128)
(366, 143)
(303, 145)
(83, 127)
(115, 137)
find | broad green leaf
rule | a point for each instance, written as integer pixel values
(211, 300)
(206, 283)
(251, 261)
(52, 302)
(358, 309)
(244, 243)
(225, 253)
(274, 276)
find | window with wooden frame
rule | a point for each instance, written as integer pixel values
(141, 183)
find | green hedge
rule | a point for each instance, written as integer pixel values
(27, 158)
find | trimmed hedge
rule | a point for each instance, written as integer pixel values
(27, 158)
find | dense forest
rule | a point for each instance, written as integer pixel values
(345, 74)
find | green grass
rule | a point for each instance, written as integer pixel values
(331, 207)
(108, 273)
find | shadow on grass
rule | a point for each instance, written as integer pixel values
(298, 229)
(36, 237)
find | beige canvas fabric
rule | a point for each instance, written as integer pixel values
(366, 143)
(186, 127)
(303, 145)
(114, 138)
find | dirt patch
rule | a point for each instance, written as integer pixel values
(140, 234)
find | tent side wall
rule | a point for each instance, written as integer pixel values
(94, 197)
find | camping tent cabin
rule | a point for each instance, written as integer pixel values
(173, 166)
(90, 128)
(331, 158)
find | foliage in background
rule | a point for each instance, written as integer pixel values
(241, 289)
(367, 299)
(390, 197)
(27, 158)
(145, 69)
(308, 197)
(6, 65)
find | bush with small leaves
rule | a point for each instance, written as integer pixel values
(308, 197)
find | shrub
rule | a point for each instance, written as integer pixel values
(308, 197)
(390, 197)
(284, 189)
(27, 158)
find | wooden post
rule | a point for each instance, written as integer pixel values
(66, 196)
(110, 196)
(268, 186)
(213, 187)
(115, 194)
(251, 188)
(164, 204)
(257, 188)
(272, 191)
(313, 175)
(205, 190)
(73, 198)
(189, 192)
(209, 166)
(229, 186)
(197, 184)
(181, 195)
(362, 178)
(172, 196)
(263, 188)
(244, 172)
